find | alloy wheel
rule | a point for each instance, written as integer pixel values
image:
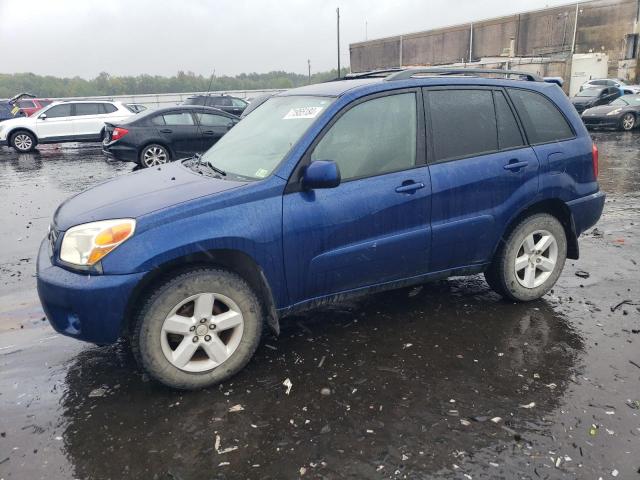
(628, 121)
(23, 142)
(536, 258)
(153, 156)
(201, 332)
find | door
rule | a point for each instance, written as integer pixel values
(55, 123)
(88, 120)
(374, 227)
(481, 171)
(212, 128)
(179, 131)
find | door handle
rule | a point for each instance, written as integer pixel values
(166, 130)
(208, 132)
(409, 187)
(515, 165)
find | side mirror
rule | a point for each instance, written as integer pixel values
(321, 174)
(42, 116)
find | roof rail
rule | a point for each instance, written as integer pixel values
(407, 73)
(372, 73)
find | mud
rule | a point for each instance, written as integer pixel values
(441, 381)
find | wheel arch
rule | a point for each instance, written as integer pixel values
(556, 208)
(233, 260)
(15, 130)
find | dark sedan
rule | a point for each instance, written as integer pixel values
(166, 134)
(227, 103)
(594, 96)
(622, 114)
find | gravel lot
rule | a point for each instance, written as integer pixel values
(440, 381)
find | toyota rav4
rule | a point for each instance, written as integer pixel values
(324, 192)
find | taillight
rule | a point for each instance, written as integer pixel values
(118, 133)
(594, 155)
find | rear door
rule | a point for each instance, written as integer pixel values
(56, 123)
(212, 128)
(481, 171)
(179, 131)
(88, 120)
(374, 226)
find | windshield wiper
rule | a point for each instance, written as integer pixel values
(219, 171)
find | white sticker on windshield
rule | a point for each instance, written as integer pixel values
(302, 112)
(262, 172)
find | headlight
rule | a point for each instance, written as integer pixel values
(615, 112)
(89, 243)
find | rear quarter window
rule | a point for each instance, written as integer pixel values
(542, 120)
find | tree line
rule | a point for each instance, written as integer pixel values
(104, 84)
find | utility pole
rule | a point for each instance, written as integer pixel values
(309, 66)
(338, 25)
(575, 30)
(366, 28)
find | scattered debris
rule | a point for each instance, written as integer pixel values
(582, 274)
(236, 408)
(321, 361)
(624, 302)
(287, 383)
(325, 392)
(496, 419)
(528, 405)
(98, 392)
(464, 422)
(593, 430)
(226, 450)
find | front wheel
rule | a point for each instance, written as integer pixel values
(627, 122)
(23, 141)
(154, 155)
(531, 259)
(198, 329)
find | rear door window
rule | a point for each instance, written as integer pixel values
(463, 123)
(88, 109)
(211, 120)
(542, 120)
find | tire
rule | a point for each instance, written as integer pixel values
(23, 141)
(627, 122)
(217, 349)
(541, 266)
(153, 155)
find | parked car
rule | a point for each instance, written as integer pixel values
(227, 103)
(622, 114)
(32, 105)
(255, 103)
(159, 136)
(62, 122)
(9, 111)
(324, 192)
(625, 88)
(594, 96)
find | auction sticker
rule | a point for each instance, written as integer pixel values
(302, 112)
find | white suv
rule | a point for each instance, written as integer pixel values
(62, 122)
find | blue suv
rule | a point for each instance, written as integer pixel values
(324, 192)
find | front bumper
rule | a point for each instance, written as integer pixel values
(87, 307)
(586, 211)
(601, 121)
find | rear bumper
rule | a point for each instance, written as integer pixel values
(4, 143)
(87, 307)
(586, 211)
(120, 152)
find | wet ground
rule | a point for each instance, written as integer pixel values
(441, 381)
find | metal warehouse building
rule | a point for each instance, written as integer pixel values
(541, 41)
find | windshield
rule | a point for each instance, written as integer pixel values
(256, 145)
(626, 100)
(589, 92)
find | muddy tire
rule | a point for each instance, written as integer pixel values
(529, 262)
(23, 141)
(197, 329)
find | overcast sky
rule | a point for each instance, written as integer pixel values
(131, 37)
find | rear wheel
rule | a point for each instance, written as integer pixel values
(531, 259)
(23, 141)
(628, 121)
(154, 155)
(198, 329)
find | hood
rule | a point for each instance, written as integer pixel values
(136, 194)
(602, 110)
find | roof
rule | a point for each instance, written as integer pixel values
(330, 89)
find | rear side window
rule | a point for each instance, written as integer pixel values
(63, 110)
(183, 118)
(509, 135)
(88, 109)
(194, 101)
(211, 120)
(375, 137)
(109, 108)
(541, 119)
(463, 123)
